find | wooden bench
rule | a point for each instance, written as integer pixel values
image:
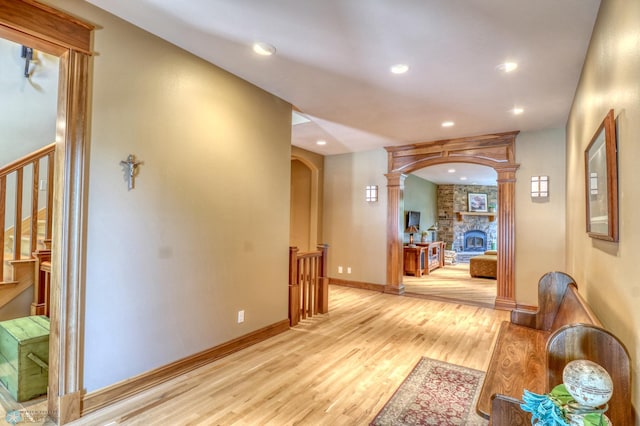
(533, 348)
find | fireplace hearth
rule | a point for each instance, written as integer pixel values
(475, 240)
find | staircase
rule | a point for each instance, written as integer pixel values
(26, 199)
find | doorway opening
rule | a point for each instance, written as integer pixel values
(495, 151)
(457, 204)
(68, 39)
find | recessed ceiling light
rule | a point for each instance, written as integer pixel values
(399, 68)
(451, 170)
(517, 110)
(508, 66)
(263, 49)
(321, 142)
(448, 123)
(463, 178)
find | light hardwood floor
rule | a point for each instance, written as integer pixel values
(453, 283)
(334, 369)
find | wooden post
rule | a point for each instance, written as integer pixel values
(505, 298)
(3, 203)
(294, 288)
(17, 226)
(50, 166)
(395, 209)
(323, 291)
(35, 179)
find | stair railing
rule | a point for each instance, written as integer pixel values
(17, 167)
(308, 283)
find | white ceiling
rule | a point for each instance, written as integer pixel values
(333, 58)
(459, 173)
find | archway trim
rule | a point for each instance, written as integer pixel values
(493, 150)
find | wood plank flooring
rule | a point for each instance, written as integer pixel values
(453, 283)
(334, 369)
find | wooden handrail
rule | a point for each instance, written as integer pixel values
(18, 167)
(27, 159)
(308, 283)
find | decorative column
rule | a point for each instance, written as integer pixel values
(395, 211)
(505, 298)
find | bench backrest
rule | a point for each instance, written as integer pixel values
(593, 343)
(573, 309)
(551, 289)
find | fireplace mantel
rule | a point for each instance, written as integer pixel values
(490, 215)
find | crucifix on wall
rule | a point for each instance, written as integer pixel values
(130, 167)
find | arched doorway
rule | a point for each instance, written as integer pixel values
(496, 151)
(305, 203)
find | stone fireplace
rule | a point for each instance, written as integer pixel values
(454, 225)
(475, 240)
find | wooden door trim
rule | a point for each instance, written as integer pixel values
(493, 150)
(57, 33)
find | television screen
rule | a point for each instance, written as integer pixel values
(413, 219)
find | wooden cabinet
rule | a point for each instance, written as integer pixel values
(414, 260)
(423, 258)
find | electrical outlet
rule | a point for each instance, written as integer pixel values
(240, 316)
(348, 269)
(339, 269)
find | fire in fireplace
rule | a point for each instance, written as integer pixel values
(475, 240)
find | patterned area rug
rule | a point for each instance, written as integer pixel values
(435, 393)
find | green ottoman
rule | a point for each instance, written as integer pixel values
(24, 356)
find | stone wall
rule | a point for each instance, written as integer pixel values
(454, 198)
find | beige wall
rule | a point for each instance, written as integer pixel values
(420, 195)
(540, 225)
(355, 229)
(205, 232)
(608, 273)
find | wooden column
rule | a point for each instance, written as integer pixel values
(323, 280)
(395, 210)
(294, 288)
(67, 253)
(505, 298)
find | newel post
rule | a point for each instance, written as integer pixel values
(323, 280)
(294, 288)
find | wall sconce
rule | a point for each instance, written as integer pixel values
(371, 193)
(27, 55)
(539, 186)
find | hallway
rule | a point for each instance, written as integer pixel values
(453, 283)
(338, 368)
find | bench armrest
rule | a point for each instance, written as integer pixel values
(506, 411)
(524, 318)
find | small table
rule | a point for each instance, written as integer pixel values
(423, 258)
